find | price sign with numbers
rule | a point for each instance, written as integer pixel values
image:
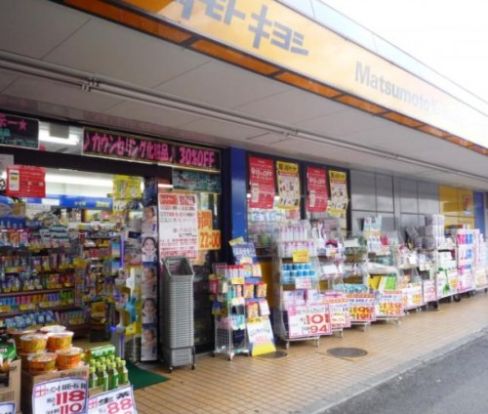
(7, 408)
(60, 396)
(309, 320)
(119, 401)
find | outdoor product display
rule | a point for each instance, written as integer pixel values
(176, 317)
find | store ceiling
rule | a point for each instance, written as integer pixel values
(275, 117)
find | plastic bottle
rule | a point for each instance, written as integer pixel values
(102, 377)
(123, 373)
(113, 376)
(93, 378)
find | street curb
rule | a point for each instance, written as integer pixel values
(360, 388)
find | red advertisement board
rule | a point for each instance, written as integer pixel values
(261, 182)
(24, 181)
(317, 196)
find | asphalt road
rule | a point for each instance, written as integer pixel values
(455, 384)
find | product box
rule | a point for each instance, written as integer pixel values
(29, 381)
(12, 391)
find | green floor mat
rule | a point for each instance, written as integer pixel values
(141, 378)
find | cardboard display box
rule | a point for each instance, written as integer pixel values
(12, 391)
(29, 380)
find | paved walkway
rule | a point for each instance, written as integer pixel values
(308, 380)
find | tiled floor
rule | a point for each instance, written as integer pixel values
(308, 377)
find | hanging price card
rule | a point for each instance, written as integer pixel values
(60, 396)
(301, 256)
(119, 401)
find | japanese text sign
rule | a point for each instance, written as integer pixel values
(16, 131)
(178, 225)
(389, 305)
(135, 148)
(208, 238)
(361, 307)
(288, 185)
(261, 183)
(317, 194)
(260, 336)
(339, 199)
(309, 320)
(60, 396)
(7, 408)
(25, 181)
(119, 401)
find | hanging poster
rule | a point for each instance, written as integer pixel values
(16, 131)
(339, 198)
(126, 187)
(178, 225)
(261, 183)
(317, 195)
(26, 181)
(288, 185)
(196, 181)
(208, 238)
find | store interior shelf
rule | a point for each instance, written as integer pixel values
(54, 309)
(35, 292)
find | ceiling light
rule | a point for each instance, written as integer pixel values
(78, 180)
(73, 139)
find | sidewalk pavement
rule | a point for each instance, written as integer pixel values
(308, 380)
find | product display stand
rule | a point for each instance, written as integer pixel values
(300, 313)
(229, 310)
(465, 256)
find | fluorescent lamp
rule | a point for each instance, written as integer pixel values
(72, 140)
(78, 180)
(161, 185)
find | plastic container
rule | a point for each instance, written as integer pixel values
(41, 363)
(53, 329)
(59, 341)
(69, 358)
(33, 343)
(16, 334)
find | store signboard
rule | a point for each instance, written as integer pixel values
(317, 195)
(7, 408)
(101, 143)
(280, 36)
(288, 182)
(261, 338)
(261, 183)
(389, 305)
(16, 131)
(60, 396)
(119, 401)
(339, 198)
(178, 225)
(26, 181)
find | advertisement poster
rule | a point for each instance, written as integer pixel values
(208, 238)
(196, 181)
(389, 305)
(127, 188)
(25, 181)
(309, 320)
(317, 194)
(288, 185)
(339, 313)
(337, 206)
(261, 183)
(119, 401)
(60, 396)
(260, 336)
(16, 131)
(361, 307)
(178, 225)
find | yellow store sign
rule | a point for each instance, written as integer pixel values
(285, 39)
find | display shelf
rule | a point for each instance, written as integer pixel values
(35, 292)
(60, 308)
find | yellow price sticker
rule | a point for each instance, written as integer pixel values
(301, 256)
